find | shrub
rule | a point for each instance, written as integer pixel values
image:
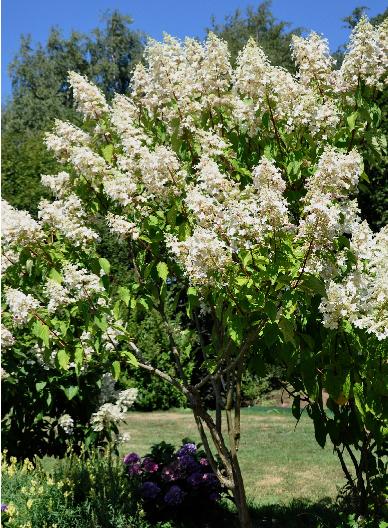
(173, 483)
(80, 491)
(234, 190)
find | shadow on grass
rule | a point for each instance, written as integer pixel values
(297, 514)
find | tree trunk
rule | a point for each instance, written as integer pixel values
(240, 497)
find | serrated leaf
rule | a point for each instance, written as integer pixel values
(41, 331)
(107, 152)
(63, 359)
(130, 358)
(162, 270)
(79, 356)
(346, 386)
(104, 263)
(124, 295)
(287, 329)
(271, 310)
(40, 385)
(116, 369)
(55, 276)
(359, 398)
(351, 120)
(70, 391)
(101, 323)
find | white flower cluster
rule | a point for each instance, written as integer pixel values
(121, 227)
(202, 255)
(239, 218)
(66, 422)
(88, 164)
(68, 216)
(337, 174)
(274, 90)
(77, 284)
(124, 115)
(88, 98)
(126, 398)
(328, 212)
(366, 58)
(121, 187)
(20, 305)
(194, 76)
(63, 138)
(270, 187)
(315, 64)
(7, 339)
(109, 412)
(18, 228)
(160, 172)
(59, 184)
(361, 297)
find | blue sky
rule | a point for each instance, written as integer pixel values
(177, 17)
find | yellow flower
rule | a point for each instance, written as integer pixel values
(11, 511)
(30, 502)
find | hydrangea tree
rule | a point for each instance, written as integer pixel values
(234, 191)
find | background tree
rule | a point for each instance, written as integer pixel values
(40, 94)
(260, 24)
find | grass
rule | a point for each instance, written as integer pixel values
(280, 463)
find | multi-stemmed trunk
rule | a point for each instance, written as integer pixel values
(227, 467)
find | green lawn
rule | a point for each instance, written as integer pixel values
(279, 462)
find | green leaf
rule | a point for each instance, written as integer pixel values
(116, 369)
(296, 407)
(287, 329)
(351, 119)
(271, 310)
(79, 355)
(130, 358)
(63, 359)
(124, 295)
(359, 398)
(365, 177)
(70, 391)
(104, 263)
(312, 283)
(101, 323)
(107, 152)
(347, 385)
(40, 385)
(162, 270)
(41, 331)
(54, 275)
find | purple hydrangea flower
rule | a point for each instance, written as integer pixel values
(135, 469)
(4, 507)
(188, 464)
(195, 479)
(174, 496)
(187, 449)
(131, 458)
(149, 490)
(171, 472)
(204, 462)
(150, 466)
